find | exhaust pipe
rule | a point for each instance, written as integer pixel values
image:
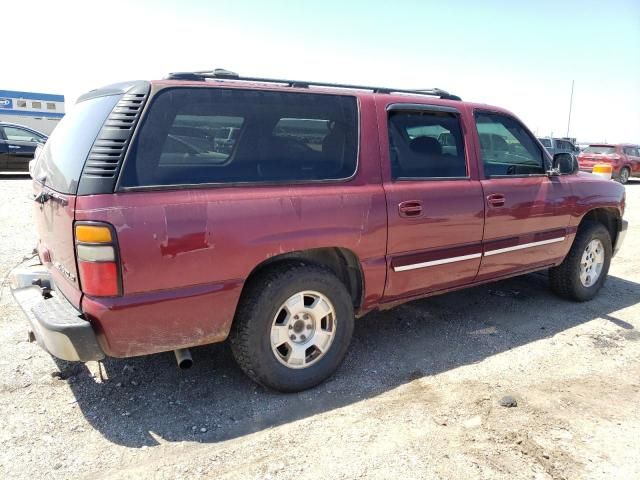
(183, 357)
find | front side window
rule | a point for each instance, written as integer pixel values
(506, 147)
(194, 136)
(426, 145)
(18, 134)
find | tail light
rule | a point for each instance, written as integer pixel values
(98, 266)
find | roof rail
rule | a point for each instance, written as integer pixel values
(222, 74)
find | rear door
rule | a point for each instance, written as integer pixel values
(633, 154)
(527, 212)
(434, 199)
(21, 145)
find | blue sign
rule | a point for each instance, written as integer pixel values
(6, 103)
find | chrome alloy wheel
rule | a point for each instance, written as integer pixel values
(303, 329)
(592, 262)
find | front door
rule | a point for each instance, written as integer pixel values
(434, 199)
(527, 212)
(21, 146)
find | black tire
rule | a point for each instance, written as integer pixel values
(565, 278)
(624, 175)
(250, 335)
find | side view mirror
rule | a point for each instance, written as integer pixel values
(565, 163)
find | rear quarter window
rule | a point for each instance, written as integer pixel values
(60, 164)
(193, 136)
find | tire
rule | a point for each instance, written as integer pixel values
(260, 312)
(565, 279)
(624, 175)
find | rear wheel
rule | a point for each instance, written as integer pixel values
(623, 178)
(293, 327)
(583, 272)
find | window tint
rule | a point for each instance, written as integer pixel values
(213, 135)
(64, 154)
(18, 134)
(426, 145)
(506, 147)
(602, 149)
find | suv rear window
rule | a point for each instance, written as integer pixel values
(604, 149)
(60, 164)
(211, 135)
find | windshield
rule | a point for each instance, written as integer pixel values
(603, 149)
(60, 164)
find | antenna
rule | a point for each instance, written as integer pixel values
(570, 105)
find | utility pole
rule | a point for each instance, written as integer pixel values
(570, 105)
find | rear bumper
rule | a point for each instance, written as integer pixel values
(624, 225)
(58, 327)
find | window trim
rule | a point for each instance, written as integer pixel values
(546, 156)
(190, 186)
(420, 107)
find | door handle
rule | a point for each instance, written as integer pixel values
(495, 200)
(410, 208)
(13, 146)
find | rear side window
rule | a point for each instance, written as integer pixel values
(426, 145)
(194, 136)
(62, 159)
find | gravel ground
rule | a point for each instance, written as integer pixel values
(417, 397)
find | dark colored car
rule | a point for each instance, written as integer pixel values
(17, 146)
(558, 145)
(271, 213)
(623, 158)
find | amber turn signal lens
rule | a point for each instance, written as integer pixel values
(93, 234)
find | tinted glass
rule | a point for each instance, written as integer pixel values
(426, 145)
(546, 142)
(603, 149)
(64, 154)
(210, 135)
(19, 134)
(506, 147)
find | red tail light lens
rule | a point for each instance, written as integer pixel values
(98, 266)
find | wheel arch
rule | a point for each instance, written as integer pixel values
(609, 217)
(344, 263)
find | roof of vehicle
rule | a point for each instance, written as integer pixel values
(226, 79)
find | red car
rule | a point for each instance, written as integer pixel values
(624, 158)
(160, 230)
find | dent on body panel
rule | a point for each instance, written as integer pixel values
(301, 221)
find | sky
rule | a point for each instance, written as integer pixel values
(522, 56)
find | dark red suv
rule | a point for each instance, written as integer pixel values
(208, 207)
(623, 158)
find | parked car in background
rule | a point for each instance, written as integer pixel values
(17, 146)
(327, 202)
(624, 159)
(558, 145)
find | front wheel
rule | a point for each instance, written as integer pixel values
(584, 270)
(293, 327)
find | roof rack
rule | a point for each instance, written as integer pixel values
(222, 74)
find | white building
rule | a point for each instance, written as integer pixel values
(40, 111)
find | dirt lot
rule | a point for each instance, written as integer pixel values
(418, 395)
